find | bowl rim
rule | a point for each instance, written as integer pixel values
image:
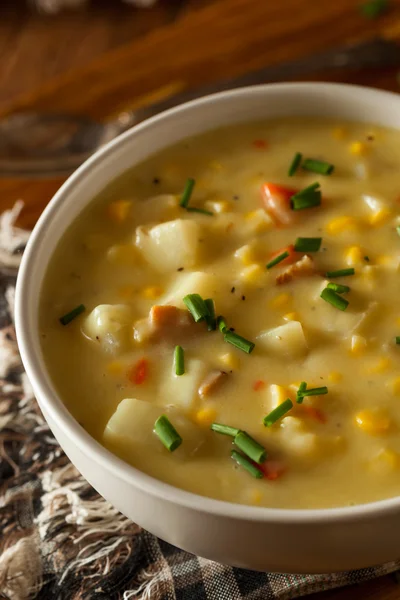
(55, 408)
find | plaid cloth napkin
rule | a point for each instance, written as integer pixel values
(62, 541)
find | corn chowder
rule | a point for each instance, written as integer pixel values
(224, 316)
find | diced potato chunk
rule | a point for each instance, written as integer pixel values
(198, 282)
(111, 326)
(132, 424)
(171, 245)
(286, 340)
(296, 438)
(182, 390)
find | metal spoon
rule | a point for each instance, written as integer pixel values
(42, 145)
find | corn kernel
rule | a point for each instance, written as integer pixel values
(335, 376)
(373, 422)
(215, 165)
(379, 216)
(386, 460)
(278, 394)
(358, 148)
(291, 316)
(340, 224)
(126, 291)
(115, 367)
(381, 366)
(253, 273)
(230, 360)
(152, 292)
(218, 206)
(256, 497)
(246, 254)
(395, 386)
(205, 416)
(119, 210)
(354, 256)
(339, 133)
(280, 300)
(358, 344)
(123, 254)
(258, 221)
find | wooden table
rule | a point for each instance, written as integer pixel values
(116, 57)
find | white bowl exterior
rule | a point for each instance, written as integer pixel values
(256, 538)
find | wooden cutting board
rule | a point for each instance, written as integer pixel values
(209, 41)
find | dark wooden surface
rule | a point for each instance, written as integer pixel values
(109, 57)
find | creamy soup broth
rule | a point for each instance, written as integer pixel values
(136, 248)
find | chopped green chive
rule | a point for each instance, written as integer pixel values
(187, 192)
(224, 429)
(211, 320)
(277, 259)
(238, 341)
(246, 464)
(318, 391)
(250, 447)
(302, 392)
(196, 306)
(202, 211)
(338, 288)
(222, 326)
(72, 314)
(294, 165)
(307, 198)
(333, 298)
(179, 360)
(318, 166)
(167, 433)
(397, 338)
(302, 388)
(372, 9)
(278, 412)
(340, 273)
(307, 244)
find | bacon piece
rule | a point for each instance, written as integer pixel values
(301, 268)
(165, 322)
(211, 382)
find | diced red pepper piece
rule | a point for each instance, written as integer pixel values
(258, 385)
(293, 255)
(261, 144)
(315, 413)
(273, 469)
(139, 372)
(276, 200)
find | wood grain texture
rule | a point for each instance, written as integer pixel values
(103, 62)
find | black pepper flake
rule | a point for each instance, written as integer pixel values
(180, 269)
(97, 338)
(243, 297)
(233, 290)
(156, 180)
(370, 137)
(235, 197)
(366, 258)
(231, 329)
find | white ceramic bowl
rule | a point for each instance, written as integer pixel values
(257, 538)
